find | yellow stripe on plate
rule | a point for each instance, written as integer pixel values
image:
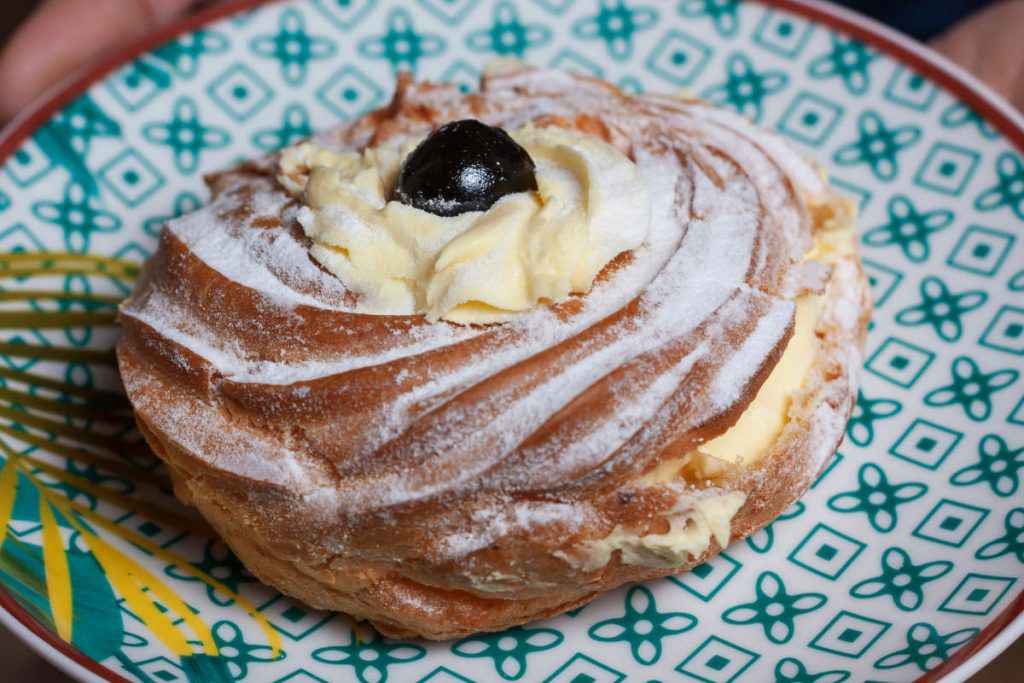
(58, 574)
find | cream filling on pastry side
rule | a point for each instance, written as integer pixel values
(691, 528)
(749, 439)
(696, 521)
(590, 205)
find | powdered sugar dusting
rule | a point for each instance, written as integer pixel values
(706, 287)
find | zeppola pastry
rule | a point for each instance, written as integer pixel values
(471, 360)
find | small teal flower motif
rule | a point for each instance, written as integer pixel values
(774, 609)
(850, 60)
(941, 309)
(79, 215)
(926, 648)
(236, 653)
(998, 465)
(1008, 190)
(901, 579)
(401, 46)
(220, 563)
(876, 497)
(909, 229)
(860, 428)
(1010, 542)
(184, 53)
(294, 126)
(724, 14)
(877, 145)
(791, 670)
(370, 655)
(746, 88)
(615, 23)
(509, 649)
(293, 47)
(184, 203)
(971, 388)
(642, 626)
(959, 114)
(507, 35)
(761, 541)
(186, 135)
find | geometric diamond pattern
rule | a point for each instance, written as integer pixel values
(131, 177)
(950, 523)
(1006, 331)
(926, 444)
(910, 90)
(977, 594)
(679, 58)
(826, 552)
(947, 169)
(717, 660)
(849, 635)
(240, 92)
(349, 93)
(782, 33)
(583, 669)
(810, 119)
(706, 580)
(899, 362)
(293, 619)
(882, 279)
(981, 250)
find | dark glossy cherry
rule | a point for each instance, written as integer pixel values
(464, 166)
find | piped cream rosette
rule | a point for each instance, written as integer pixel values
(481, 266)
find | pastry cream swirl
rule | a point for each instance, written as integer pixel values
(477, 267)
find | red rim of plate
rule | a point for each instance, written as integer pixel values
(992, 108)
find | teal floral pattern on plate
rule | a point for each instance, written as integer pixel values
(909, 543)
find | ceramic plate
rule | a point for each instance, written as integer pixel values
(903, 562)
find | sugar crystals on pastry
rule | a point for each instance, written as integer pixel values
(472, 360)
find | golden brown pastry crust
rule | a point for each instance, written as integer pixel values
(225, 441)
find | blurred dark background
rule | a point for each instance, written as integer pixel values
(923, 19)
(11, 14)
